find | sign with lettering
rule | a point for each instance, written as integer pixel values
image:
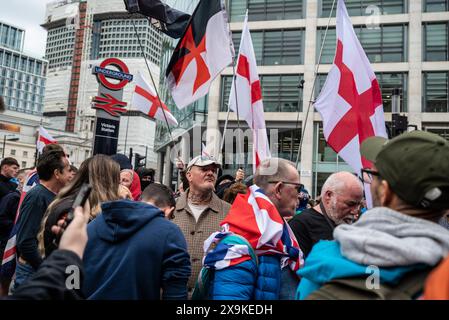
(109, 104)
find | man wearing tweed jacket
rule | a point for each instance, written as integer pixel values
(199, 211)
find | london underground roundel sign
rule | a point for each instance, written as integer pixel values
(122, 74)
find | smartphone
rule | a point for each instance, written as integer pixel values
(80, 201)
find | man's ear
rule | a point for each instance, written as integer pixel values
(278, 190)
(189, 175)
(386, 195)
(327, 197)
(56, 173)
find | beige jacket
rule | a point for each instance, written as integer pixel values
(197, 232)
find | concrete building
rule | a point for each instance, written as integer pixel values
(22, 85)
(81, 34)
(406, 42)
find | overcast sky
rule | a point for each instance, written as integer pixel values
(28, 15)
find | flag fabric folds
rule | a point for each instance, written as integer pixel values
(170, 21)
(350, 102)
(145, 99)
(201, 54)
(254, 217)
(246, 95)
(44, 139)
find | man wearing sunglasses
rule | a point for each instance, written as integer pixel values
(389, 251)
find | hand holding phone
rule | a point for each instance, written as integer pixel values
(80, 201)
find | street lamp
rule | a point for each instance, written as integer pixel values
(14, 138)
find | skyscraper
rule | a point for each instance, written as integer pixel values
(81, 34)
(22, 85)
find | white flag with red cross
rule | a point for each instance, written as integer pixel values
(246, 94)
(146, 100)
(44, 139)
(350, 102)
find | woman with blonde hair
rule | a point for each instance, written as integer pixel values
(103, 174)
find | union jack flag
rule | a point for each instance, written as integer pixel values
(254, 217)
(9, 256)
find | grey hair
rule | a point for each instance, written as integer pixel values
(273, 169)
(337, 182)
(130, 172)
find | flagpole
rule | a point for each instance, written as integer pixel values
(152, 80)
(313, 87)
(236, 98)
(127, 126)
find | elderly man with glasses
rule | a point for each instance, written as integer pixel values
(256, 255)
(389, 251)
(199, 210)
(341, 196)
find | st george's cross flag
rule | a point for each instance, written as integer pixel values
(44, 139)
(246, 95)
(201, 54)
(146, 100)
(350, 102)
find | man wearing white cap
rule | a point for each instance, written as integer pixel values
(199, 211)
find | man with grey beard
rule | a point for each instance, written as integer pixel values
(341, 196)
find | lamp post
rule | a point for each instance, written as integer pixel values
(4, 142)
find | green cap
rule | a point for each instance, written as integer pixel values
(416, 166)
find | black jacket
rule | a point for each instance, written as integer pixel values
(53, 279)
(6, 186)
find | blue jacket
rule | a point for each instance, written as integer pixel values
(133, 252)
(325, 263)
(246, 281)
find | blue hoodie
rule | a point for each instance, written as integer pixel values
(326, 263)
(133, 252)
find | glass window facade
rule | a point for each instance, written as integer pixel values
(442, 131)
(280, 93)
(11, 37)
(436, 44)
(435, 89)
(275, 47)
(117, 38)
(259, 10)
(22, 81)
(436, 5)
(60, 46)
(386, 44)
(363, 7)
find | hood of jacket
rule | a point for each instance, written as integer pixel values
(387, 238)
(123, 218)
(325, 263)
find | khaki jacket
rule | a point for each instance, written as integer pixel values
(197, 232)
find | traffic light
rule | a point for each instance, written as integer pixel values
(138, 161)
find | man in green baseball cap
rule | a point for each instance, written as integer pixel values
(409, 182)
(410, 171)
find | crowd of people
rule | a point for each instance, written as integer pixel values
(230, 237)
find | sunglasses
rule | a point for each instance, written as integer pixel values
(299, 186)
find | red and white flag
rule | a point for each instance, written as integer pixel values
(246, 93)
(44, 139)
(145, 99)
(350, 102)
(201, 54)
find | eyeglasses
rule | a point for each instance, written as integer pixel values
(367, 175)
(299, 186)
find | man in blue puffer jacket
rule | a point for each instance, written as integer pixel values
(134, 252)
(255, 226)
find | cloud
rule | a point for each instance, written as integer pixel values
(28, 15)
